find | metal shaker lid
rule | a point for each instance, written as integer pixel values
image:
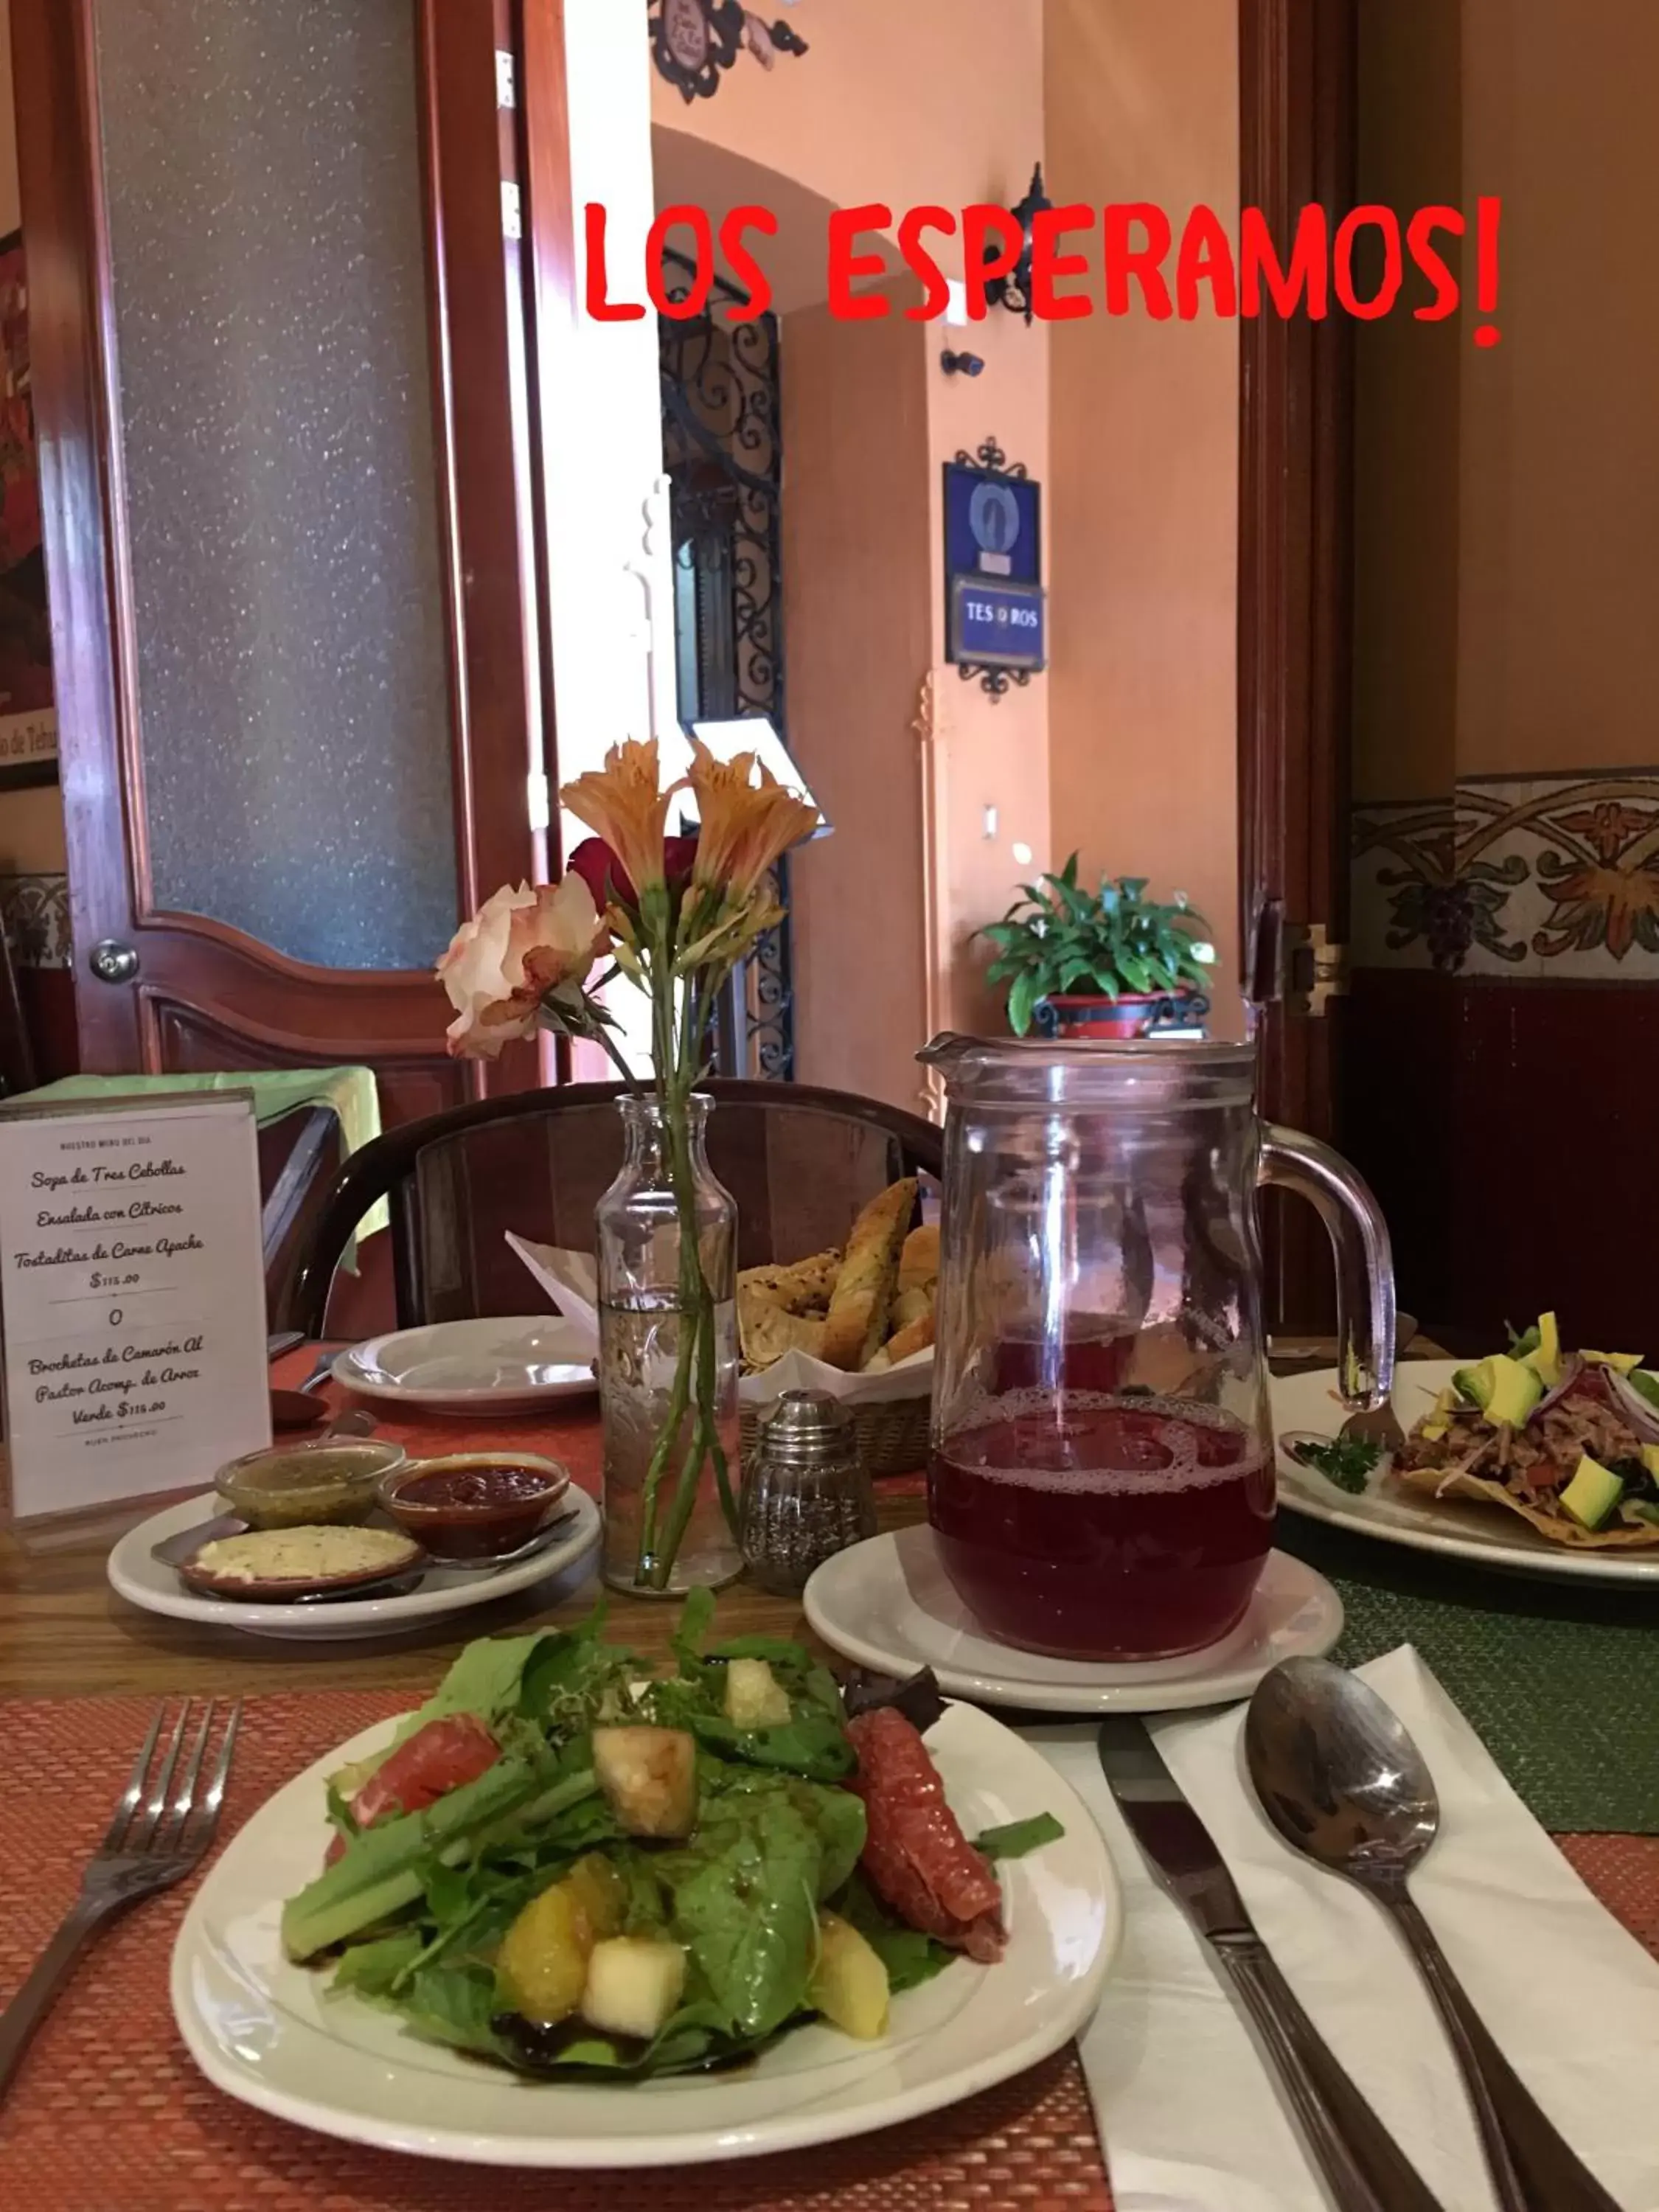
(805, 1426)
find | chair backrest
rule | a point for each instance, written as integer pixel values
(16, 1047)
(800, 1162)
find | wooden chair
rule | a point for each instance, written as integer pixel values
(799, 1162)
(16, 1049)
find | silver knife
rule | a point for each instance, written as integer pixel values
(1364, 2168)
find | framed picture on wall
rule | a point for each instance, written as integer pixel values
(995, 607)
(29, 718)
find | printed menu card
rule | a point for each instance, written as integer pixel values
(133, 1299)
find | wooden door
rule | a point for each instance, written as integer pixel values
(1297, 146)
(279, 359)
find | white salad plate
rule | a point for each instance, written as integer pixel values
(888, 1604)
(267, 2031)
(1491, 1535)
(503, 1366)
(143, 1580)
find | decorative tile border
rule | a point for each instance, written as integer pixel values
(1548, 876)
(36, 912)
(1404, 900)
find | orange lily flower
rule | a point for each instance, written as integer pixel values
(743, 827)
(622, 804)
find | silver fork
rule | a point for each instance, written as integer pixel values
(157, 1836)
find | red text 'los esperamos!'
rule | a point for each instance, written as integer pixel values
(1124, 259)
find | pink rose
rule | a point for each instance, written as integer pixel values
(519, 945)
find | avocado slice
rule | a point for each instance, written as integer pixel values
(1545, 1358)
(1469, 1387)
(1593, 1495)
(1622, 1363)
(1505, 1389)
(1439, 1416)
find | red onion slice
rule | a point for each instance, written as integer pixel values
(1572, 1367)
(1640, 1411)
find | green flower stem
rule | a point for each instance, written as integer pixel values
(646, 1565)
(685, 1493)
(650, 1572)
(680, 1066)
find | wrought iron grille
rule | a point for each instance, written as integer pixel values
(722, 453)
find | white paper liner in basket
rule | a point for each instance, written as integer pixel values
(571, 1281)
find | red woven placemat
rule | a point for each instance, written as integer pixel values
(108, 2114)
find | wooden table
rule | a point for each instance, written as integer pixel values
(63, 1632)
(64, 1635)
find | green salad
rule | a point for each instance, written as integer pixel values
(564, 1865)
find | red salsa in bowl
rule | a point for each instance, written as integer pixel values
(473, 1506)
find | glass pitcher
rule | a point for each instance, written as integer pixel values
(1101, 1476)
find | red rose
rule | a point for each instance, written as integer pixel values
(600, 870)
(679, 857)
(605, 876)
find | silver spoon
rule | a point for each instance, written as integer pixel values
(1341, 1780)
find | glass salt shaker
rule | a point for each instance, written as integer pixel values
(805, 1493)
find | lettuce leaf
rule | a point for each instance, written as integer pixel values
(812, 1742)
(909, 1957)
(746, 1905)
(1017, 1838)
(384, 1868)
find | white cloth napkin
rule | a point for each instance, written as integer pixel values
(1187, 2110)
(571, 1281)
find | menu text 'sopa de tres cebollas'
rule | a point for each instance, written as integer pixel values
(1126, 257)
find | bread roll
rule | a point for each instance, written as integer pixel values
(910, 1306)
(918, 1262)
(914, 1338)
(767, 1333)
(864, 1289)
(802, 1286)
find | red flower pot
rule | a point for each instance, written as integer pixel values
(1080, 1017)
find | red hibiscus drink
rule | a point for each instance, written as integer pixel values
(1093, 1524)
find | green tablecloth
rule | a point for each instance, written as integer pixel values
(1560, 1678)
(348, 1092)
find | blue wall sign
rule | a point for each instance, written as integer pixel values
(1000, 623)
(994, 600)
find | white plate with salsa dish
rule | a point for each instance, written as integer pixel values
(269, 2032)
(1308, 1405)
(137, 1575)
(888, 1604)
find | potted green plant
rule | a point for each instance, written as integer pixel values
(1098, 963)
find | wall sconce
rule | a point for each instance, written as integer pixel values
(960, 364)
(1014, 291)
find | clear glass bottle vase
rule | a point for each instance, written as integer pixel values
(668, 1359)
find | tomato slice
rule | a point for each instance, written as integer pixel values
(436, 1760)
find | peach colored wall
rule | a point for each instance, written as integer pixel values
(1507, 562)
(930, 100)
(940, 100)
(1142, 104)
(859, 629)
(1560, 643)
(990, 753)
(1408, 411)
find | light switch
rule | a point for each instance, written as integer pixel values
(990, 821)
